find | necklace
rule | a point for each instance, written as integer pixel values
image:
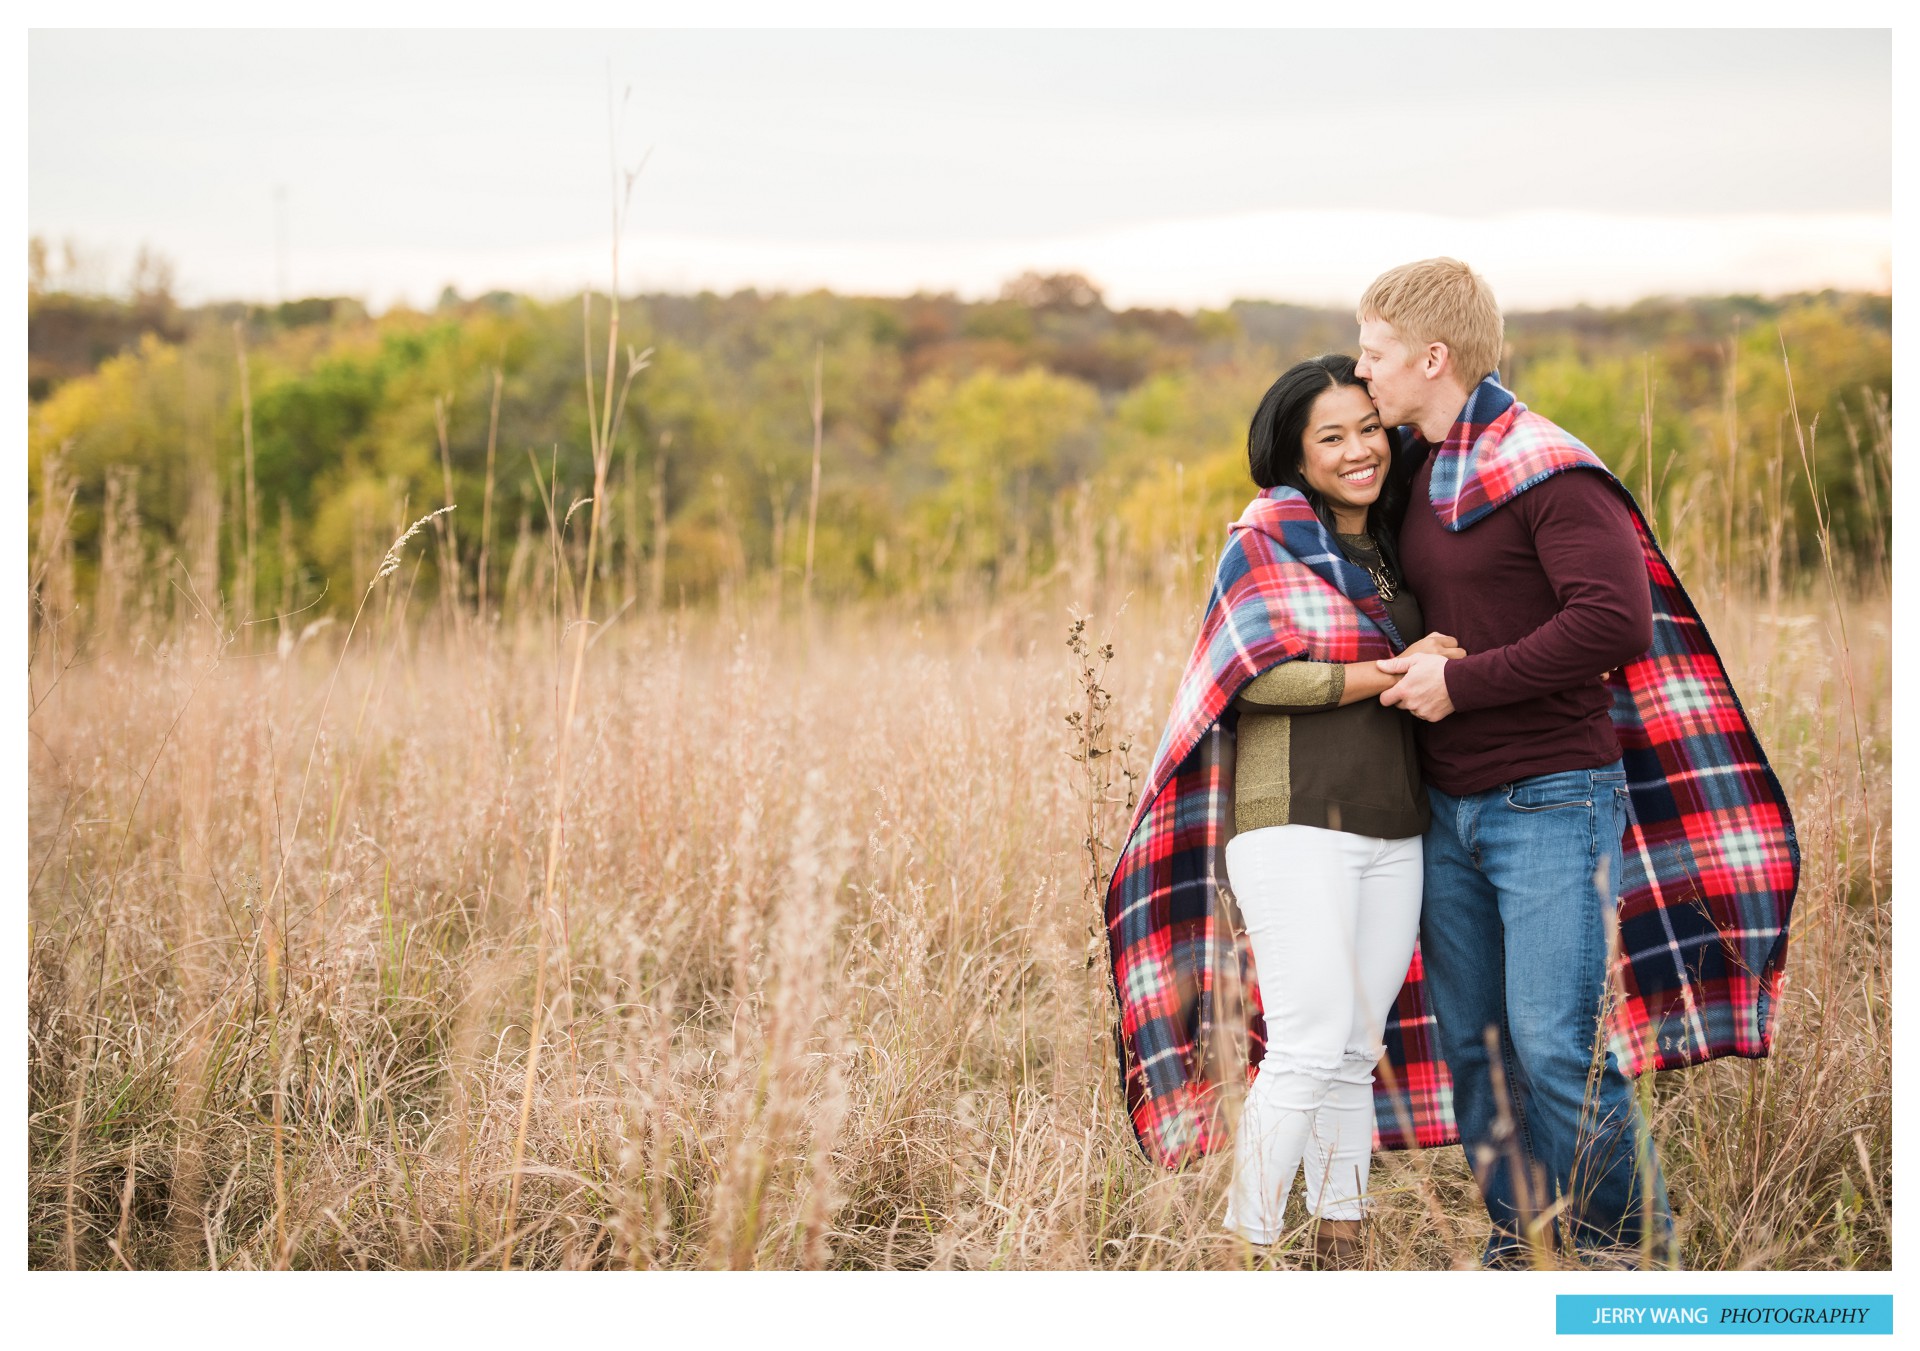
(1383, 580)
(1381, 574)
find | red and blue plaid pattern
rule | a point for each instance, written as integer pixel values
(1711, 859)
(1282, 590)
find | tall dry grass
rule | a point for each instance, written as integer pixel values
(818, 983)
(561, 935)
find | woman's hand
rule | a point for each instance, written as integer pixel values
(1439, 644)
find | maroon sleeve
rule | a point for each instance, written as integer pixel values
(1590, 552)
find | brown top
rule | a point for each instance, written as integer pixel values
(1545, 594)
(1301, 759)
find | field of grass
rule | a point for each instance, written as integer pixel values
(784, 951)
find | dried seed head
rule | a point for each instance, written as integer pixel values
(391, 563)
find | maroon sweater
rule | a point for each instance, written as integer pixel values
(1545, 593)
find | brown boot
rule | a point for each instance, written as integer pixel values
(1339, 1245)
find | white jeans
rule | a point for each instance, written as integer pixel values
(1332, 919)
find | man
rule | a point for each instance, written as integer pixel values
(1548, 592)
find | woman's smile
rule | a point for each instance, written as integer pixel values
(1343, 453)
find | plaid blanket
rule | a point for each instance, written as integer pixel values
(1190, 1010)
(1711, 859)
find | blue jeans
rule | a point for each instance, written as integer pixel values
(1514, 929)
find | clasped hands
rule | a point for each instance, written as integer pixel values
(1421, 666)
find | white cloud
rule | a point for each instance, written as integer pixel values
(1177, 167)
(1533, 259)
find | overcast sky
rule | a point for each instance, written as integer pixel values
(1174, 168)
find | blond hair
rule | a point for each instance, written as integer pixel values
(1440, 300)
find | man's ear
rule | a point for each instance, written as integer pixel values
(1437, 361)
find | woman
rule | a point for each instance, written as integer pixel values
(1325, 860)
(1281, 702)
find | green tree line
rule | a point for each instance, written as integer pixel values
(959, 440)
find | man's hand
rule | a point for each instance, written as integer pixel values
(1438, 643)
(1422, 689)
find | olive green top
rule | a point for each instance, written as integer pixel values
(1302, 759)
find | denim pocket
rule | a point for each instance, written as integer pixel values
(1551, 792)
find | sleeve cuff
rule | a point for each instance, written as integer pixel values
(1466, 691)
(1296, 686)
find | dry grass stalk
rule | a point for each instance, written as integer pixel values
(813, 494)
(250, 494)
(604, 431)
(486, 501)
(452, 602)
